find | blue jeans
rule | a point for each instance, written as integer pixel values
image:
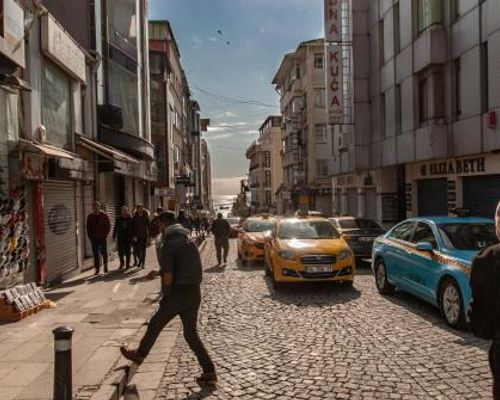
(99, 248)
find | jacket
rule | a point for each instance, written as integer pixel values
(485, 285)
(124, 229)
(141, 225)
(221, 229)
(179, 256)
(98, 226)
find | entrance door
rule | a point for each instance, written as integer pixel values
(371, 203)
(481, 194)
(433, 197)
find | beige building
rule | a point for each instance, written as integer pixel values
(307, 144)
(266, 171)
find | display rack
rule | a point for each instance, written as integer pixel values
(21, 301)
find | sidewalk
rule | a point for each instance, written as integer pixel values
(105, 312)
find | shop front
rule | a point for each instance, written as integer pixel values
(437, 187)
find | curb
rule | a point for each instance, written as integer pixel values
(115, 383)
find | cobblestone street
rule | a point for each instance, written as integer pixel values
(323, 342)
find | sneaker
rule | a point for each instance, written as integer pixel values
(121, 266)
(207, 379)
(97, 272)
(105, 269)
(131, 355)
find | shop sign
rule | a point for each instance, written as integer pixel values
(333, 20)
(454, 167)
(33, 167)
(12, 40)
(75, 164)
(59, 219)
(165, 192)
(61, 48)
(334, 85)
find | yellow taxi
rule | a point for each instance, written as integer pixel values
(253, 234)
(308, 248)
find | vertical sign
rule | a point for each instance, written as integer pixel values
(333, 21)
(334, 81)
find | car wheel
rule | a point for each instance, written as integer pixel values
(383, 286)
(266, 267)
(451, 304)
(276, 285)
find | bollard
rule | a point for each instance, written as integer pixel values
(63, 386)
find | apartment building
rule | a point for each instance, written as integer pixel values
(206, 174)
(266, 171)
(307, 144)
(430, 141)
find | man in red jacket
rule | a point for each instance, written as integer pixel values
(98, 228)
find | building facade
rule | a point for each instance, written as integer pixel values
(266, 171)
(307, 148)
(206, 172)
(426, 133)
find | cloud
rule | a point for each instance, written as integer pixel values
(197, 42)
(220, 136)
(226, 186)
(262, 29)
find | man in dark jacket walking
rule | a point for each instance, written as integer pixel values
(181, 275)
(221, 231)
(141, 233)
(124, 233)
(98, 227)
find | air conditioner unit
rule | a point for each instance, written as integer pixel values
(342, 141)
(110, 115)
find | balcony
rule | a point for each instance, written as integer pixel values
(131, 144)
(430, 48)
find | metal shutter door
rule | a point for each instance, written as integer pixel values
(111, 207)
(481, 194)
(432, 197)
(60, 228)
(88, 199)
(371, 203)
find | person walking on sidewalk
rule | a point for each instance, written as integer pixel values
(181, 276)
(154, 229)
(98, 227)
(221, 231)
(141, 233)
(124, 234)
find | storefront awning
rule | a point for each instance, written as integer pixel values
(47, 150)
(106, 151)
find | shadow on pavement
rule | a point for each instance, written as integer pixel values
(216, 269)
(249, 266)
(56, 296)
(108, 277)
(202, 393)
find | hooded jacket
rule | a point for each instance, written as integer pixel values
(179, 256)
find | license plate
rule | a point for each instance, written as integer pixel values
(317, 269)
(366, 239)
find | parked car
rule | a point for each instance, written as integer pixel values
(252, 236)
(235, 223)
(308, 249)
(359, 233)
(431, 259)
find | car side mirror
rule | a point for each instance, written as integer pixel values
(424, 246)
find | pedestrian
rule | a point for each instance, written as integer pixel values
(221, 231)
(182, 220)
(485, 307)
(205, 225)
(141, 233)
(197, 225)
(154, 230)
(181, 276)
(124, 234)
(98, 227)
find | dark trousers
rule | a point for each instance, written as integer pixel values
(494, 357)
(221, 244)
(184, 301)
(124, 250)
(141, 245)
(99, 248)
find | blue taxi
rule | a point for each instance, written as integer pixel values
(431, 258)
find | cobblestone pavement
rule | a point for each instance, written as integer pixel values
(323, 342)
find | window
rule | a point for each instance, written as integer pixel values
(458, 87)
(398, 105)
(267, 159)
(319, 61)
(267, 181)
(424, 233)
(429, 12)
(397, 29)
(402, 232)
(269, 199)
(56, 106)
(123, 92)
(382, 115)
(319, 97)
(296, 72)
(322, 168)
(320, 133)
(381, 49)
(423, 100)
(485, 104)
(1, 19)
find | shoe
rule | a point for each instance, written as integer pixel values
(207, 379)
(131, 355)
(105, 269)
(97, 272)
(128, 266)
(121, 266)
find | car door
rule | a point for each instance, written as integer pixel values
(423, 269)
(395, 251)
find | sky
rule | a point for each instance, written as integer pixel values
(230, 51)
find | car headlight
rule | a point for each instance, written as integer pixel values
(344, 255)
(286, 255)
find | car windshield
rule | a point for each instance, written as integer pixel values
(233, 221)
(308, 230)
(471, 236)
(260, 226)
(358, 223)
